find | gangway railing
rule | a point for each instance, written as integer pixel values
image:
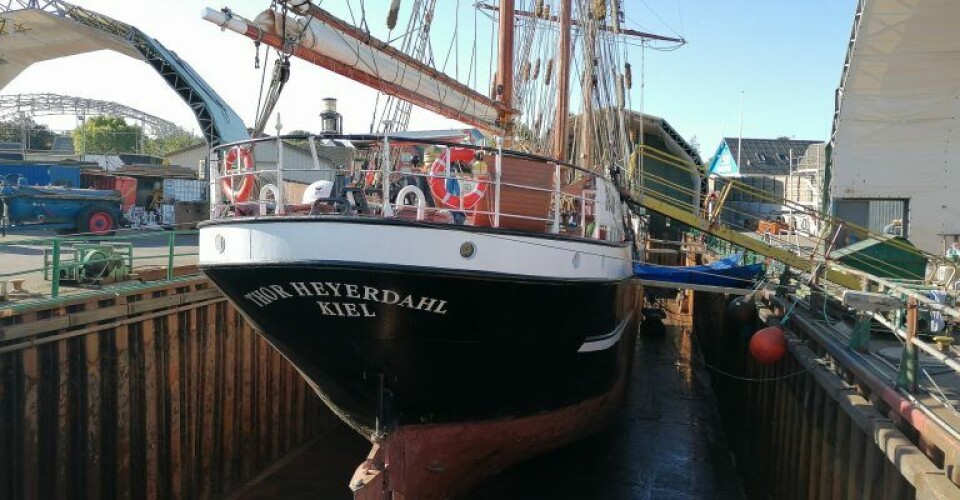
(723, 214)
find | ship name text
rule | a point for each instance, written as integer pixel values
(332, 293)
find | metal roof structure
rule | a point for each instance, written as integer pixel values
(895, 132)
(55, 104)
(39, 30)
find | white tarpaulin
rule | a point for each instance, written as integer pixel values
(31, 36)
(898, 132)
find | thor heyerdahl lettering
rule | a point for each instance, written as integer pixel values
(268, 294)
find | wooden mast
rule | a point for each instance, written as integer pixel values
(505, 64)
(563, 82)
(587, 89)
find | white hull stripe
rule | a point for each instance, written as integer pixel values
(607, 340)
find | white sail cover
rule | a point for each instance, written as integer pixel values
(316, 35)
(897, 133)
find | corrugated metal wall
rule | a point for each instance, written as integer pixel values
(883, 212)
(163, 393)
(44, 174)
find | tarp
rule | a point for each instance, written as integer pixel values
(722, 273)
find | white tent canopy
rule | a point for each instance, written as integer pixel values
(897, 133)
(32, 36)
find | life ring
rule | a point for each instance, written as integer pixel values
(438, 188)
(236, 158)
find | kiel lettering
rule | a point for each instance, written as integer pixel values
(362, 306)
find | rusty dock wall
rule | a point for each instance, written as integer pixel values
(161, 392)
(806, 428)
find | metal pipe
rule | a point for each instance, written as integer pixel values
(385, 168)
(55, 279)
(927, 348)
(281, 204)
(497, 174)
(933, 305)
(556, 199)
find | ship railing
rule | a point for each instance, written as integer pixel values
(519, 191)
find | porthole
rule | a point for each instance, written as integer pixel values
(468, 250)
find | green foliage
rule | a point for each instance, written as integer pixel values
(106, 135)
(299, 142)
(163, 146)
(39, 137)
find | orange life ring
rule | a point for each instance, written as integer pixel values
(236, 158)
(438, 187)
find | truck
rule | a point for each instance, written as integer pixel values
(62, 209)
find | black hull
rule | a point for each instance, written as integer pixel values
(415, 346)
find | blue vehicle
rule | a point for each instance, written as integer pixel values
(51, 207)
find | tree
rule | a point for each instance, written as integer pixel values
(38, 137)
(105, 135)
(299, 142)
(162, 146)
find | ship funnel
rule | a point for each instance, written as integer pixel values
(331, 121)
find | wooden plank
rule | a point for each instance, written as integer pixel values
(33, 327)
(803, 471)
(193, 357)
(9, 456)
(855, 467)
(96, 314)
(827, 467)
(276, 397)
(122, 409)
(263, 403)
(208, 422)
(841, 453)
(94, 451)
(152, 407)
(248, 396)
(149, 305)
(31, 431)
(175, 398)
(302, 409)
(66, 416)
(228, 399)
(872, 472)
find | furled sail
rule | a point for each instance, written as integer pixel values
(324, 40)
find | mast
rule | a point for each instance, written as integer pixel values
(586, 89)
(505, 63)
(563, 82)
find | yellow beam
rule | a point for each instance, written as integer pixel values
(754, 245)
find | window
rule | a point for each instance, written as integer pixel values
(783, 157)
(761, 157)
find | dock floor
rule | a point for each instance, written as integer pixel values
(666, 444)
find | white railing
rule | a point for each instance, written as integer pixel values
(267, 177)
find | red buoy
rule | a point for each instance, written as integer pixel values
(768, 345)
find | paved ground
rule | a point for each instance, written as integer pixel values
(150, 249)
(666, 444)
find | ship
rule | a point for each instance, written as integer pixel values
(463, 305)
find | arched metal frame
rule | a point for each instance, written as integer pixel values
(218, 122)
(64, 105)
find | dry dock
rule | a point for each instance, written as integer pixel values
(164, 391)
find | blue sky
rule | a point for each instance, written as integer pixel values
(785, 56)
